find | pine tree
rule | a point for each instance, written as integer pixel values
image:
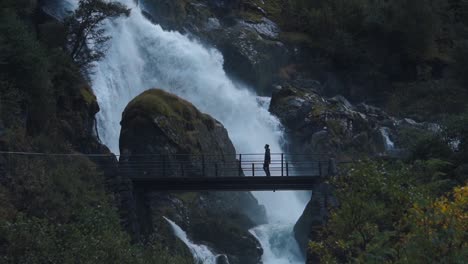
(86, 37)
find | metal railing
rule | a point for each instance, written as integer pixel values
(179, 165)
(281, 165)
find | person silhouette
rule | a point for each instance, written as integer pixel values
(267, 161)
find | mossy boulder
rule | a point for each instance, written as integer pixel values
(156, 124)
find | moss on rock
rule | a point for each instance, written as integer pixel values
(177, 121)
(88, 95)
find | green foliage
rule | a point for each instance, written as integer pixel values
(370, 204)
(449, 144)
(438, 230)
(94, 236)
(53, 209)
(355, 23)
(86, 39)
(427, 100)
(25, 68)
(373, 44)
(379, 218)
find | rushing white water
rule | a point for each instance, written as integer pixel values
(143, 55)
(389, 145)
(201, 253)
(276, 239)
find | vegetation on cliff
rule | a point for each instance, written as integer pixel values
(404, 212)
(86, 39)
(53, 209)
(408, 56)
(396, 213)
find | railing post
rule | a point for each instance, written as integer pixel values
(320, 168)
(216, 169)
(287, 169)
(240, 164)
(253, 169)
(282, 161)
(182, 169)
(203, 166)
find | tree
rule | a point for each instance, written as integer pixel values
(437, 230)
(86, 37)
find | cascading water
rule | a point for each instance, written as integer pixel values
(142, 55)
(389, 145)
(201, 254)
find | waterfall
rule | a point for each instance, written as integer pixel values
(142, 55)
(389, 145)
(201, 253)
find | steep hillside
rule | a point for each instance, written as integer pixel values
(54, 209)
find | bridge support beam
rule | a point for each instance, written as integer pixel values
(228, 183)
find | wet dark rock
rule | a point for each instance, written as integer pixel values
(251, 53)
(314, 217)
(335, 127)
(222, 259)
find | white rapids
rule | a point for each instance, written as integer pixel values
(201, 253)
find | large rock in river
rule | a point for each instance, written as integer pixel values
(157, 124)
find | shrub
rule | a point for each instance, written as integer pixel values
(391, 213)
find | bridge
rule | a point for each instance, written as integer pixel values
(199, 172)
(241, 172)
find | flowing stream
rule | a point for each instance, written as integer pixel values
(142, 55)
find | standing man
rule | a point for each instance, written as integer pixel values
(267, 161)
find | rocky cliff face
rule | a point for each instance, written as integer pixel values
(335, 127)
(158, 123)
